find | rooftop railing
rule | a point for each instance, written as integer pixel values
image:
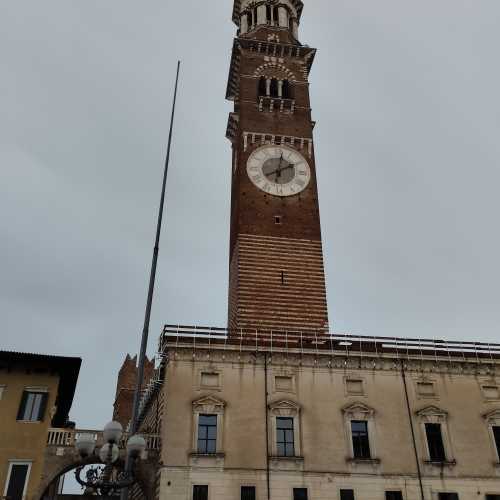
(323, 342)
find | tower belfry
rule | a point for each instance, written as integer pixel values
(276, 273)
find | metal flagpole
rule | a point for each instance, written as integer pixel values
(134, 423)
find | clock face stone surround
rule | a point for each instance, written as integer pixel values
(279, 170)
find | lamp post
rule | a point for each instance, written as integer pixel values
(108, 477)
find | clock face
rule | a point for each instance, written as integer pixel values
(279, 170)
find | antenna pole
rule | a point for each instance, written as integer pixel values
(134, 423)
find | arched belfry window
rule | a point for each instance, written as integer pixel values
(287, 90)
(274, 88)
(276, 16)
(269, 14)
(262, 86)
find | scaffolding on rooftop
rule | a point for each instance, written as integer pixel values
(276, 340)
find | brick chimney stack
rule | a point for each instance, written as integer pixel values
(127, 378)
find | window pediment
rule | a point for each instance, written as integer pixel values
(492, 417)
(284, 408)
(209, 404)
(432, 414)
(358, 411)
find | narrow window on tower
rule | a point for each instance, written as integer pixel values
(283, 278)
(360, 440)
(262, 86)
(435, 442)
(268, 14)
(277, 219)
(274, 87)
(285, 437)
(276, 15)
(286, 90)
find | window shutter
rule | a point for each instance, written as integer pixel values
(43, 407)
(22, 406)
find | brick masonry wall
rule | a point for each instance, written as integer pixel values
(261, 249)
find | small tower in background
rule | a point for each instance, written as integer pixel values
(127, 379)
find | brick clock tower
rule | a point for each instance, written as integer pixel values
(276, 274)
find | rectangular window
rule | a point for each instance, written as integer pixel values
(207, 434)
(300, 494)
(16, 485)
(492, 497)
(360, 440)
(346, 494)
(284, 437)
(496, 435)
(33, 405)
(435, 442)
(200, 492)
(248, 493)
(393, 495)
(448, 496)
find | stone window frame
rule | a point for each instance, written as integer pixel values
(284, 374)
(489, 382)
(354, 378)
(212, 371)
(360, 412)
(435, 415)
(492, 419)
(288, 409)
(11, 463)
(208, 405)
(425, 380)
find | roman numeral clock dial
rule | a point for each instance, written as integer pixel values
(278, 170)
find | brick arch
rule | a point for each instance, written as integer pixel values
(275, 70)
(58, 466)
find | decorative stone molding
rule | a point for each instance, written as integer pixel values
(261, 138)
(358, 411)
(209, 405)
(435, 415)
(290, 409)
(432, 415)
(274, 70)
(284, 408)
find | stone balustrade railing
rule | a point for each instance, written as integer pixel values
(67, 438)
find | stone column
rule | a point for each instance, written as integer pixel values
(283, 17)
(244, 24)
(268, 86)
(295, 28)
(261, 14)
(280, 88)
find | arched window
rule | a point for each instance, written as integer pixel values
(274, 87)
(287, 90)
(276, 16)
(262, 86)
(268, 14)
(249, 19)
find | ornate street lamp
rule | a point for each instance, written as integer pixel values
(108, 478)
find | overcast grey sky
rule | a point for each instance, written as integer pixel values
(405, 95)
